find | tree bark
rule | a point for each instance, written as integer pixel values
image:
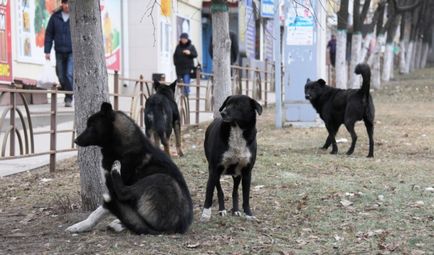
(90, 90)
(392, 26)
(222, 50)
(376, 63)
(341, 46)
(404, 40)
(356, 40)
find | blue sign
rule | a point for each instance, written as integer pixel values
(267, 8)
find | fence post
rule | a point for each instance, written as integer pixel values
(116, 91)
(12, 122)
(247, 80)
(142, 107)
(53, 129)
(266, 83)
(197, 94)
(240, 81)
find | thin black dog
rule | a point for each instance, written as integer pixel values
(338, 106)
(149, 194)
(230, 148)
(162, 115)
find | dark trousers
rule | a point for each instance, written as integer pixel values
(64, 71)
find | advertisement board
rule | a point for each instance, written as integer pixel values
(5, 41)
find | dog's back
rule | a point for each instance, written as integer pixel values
(162, 115)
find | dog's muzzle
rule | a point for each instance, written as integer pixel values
(307, 97)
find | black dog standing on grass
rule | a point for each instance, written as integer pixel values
(147, 192)
(230, 148)
(338, 106)
(162, 115)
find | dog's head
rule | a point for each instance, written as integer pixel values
(313, 89)
(98, 128)
(168, 91)
(240, 109)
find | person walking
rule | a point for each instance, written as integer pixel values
(331, 45)
(58, 31)
(183, 58)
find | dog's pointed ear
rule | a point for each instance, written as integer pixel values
(106, 107)
(224, 103)
(173, 85)
(308, 80)
(321, 82)
(156, 84)
(257, 106)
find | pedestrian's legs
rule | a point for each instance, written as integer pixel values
(60, 70)
(186, 80)
(69, 73)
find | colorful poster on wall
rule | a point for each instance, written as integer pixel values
(111, 28)
(300, 21)
(5, 41)
(32, 19)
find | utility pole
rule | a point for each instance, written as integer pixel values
(277, 64)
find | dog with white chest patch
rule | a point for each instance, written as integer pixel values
(230, 148)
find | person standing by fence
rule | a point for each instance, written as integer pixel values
(58, 30)
(183, 58)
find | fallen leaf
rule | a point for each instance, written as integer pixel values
(346, 203)
(193, 245)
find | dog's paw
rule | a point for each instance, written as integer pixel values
(106, 197)
(116, 167)
(251, 217)
(116, 226)
(206, 215)
(223, 213)
(237, 213)
(82, 226)
(334, 152)
(180, 153)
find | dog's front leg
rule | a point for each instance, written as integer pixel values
(86, 225)
(246, 179)
(206, 213)
(235, 206)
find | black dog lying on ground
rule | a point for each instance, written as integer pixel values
(162, 115)
(230, 148)
(149, 194)
(338, 106)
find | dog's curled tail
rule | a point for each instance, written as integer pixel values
(365, 71)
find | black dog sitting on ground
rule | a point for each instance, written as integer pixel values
(338, 106)
(230, 148)
(149, 194)
(162, 115)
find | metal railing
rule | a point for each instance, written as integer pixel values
(20, 131)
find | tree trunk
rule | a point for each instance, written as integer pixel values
(90, 90)
(409, 57)
(376, 63)
(424, 56)
(356, 40)
(392, 25)
(356, 53)
(341, 46)
(221, 51)
(365, 46)
(404, 40)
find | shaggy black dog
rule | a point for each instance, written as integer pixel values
(147, 191)
(338, 106)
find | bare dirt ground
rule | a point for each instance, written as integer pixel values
(306, 201)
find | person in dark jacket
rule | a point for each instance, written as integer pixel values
(183, 57)
(58, 30)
